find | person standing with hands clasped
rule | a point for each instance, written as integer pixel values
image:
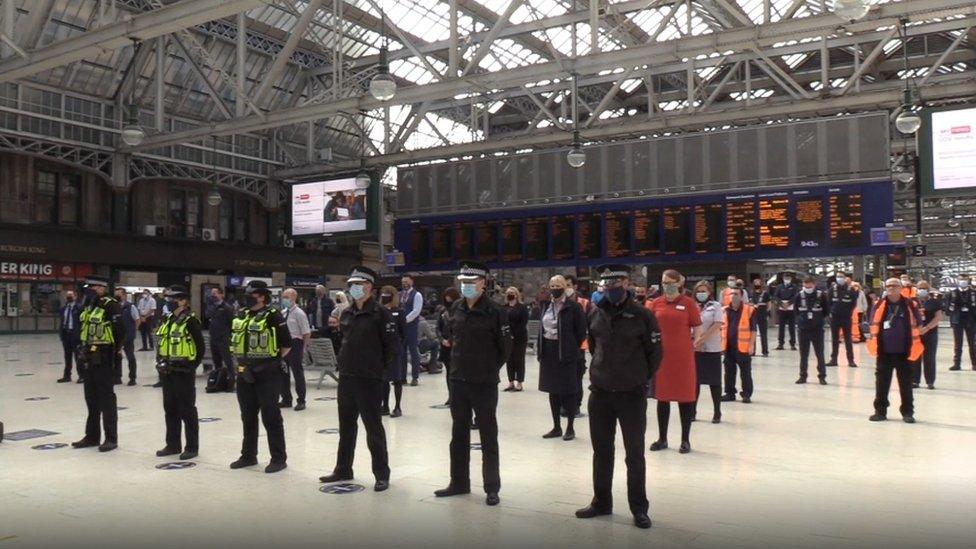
(560, 336)
(301, 334)
(811, 307)
(931, 308)
(739, 341)
(369, 348)
(895, 342)
(179, 350)
(785, 295)
(843, 303)
(962, 318)
(760, 298)
(625, 344)
(480, 342)
(708, 347)
(259, 341)
(518, 322)
(676, 380)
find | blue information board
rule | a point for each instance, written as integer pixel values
(758, 224)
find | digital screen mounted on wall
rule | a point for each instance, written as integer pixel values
(647, 232)
(809, 222)
(537, 239)
(590, 230)
(563, 241)
(677, 226)
(327, 207)
(487, 238)
(708, 228)
(618, 233)
(440, 244)
(947, 150)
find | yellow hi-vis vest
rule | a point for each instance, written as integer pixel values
(96, 327)
(175, 341)
(252, 336)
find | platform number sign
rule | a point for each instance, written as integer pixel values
(920, 250)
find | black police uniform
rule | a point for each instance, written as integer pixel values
(810, 313)
(930, 340)
(786, 294)
(625, 348)
(99, 373)
(179, 390)
(221, 318)
(962, 318)
(258, 390)
(369, 347)
(843, 301)
(480, 343)
(760, 298)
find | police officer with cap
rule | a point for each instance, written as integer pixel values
(368, 350)
(179, 350)
(843, 301)
(259, 340)
(480, 343)
(625, 347)
(811, 307)
(102, 337)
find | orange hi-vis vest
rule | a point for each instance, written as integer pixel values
(745, 329)
(585, 304)
(910, 292)
(856, 336)
(916, 349)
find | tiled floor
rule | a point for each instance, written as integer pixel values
(800, 467)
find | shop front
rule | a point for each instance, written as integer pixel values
(32, 292)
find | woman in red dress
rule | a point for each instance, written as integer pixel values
(676, 380)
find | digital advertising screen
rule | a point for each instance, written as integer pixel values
(327, 207)
(947, 150)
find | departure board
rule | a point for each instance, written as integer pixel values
(464, 241)
(708, 228)
(774, 223)
(487, 238)
(563, 242)
(677, 224)
(440, 244)
(647, 232)
(589, 230)
(618, 233)
(512, 241)
(537, 239)
(809, 222)
(740, 226)
(845, 220)
(420, 244)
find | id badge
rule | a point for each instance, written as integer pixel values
(809, 316)
(679, 307)
(887, 324)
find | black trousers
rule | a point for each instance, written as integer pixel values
(837, 327)
(734, 359)
(294, 363)
(180, 408)
(446, 360)
(787, 319)
(129, 347)
(968, 329)
(482, 399)
(220, 352)
(69, 342)
(100, 396)
(146, 331)
(927, 363)
(581, 371)
(898, 365)
(516, 362)
(762, 321)
(262, 396)
(606, 409)
(812, 337)
(361, 397)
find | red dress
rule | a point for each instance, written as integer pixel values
(676, 379)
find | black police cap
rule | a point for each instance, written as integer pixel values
(177, 291)
(257, 287)
(362, 274)
(95, 280)
(472, 270)
(613, 271)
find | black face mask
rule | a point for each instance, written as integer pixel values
(558, 293)
(511, 297)
(386, 299)
(250, 301)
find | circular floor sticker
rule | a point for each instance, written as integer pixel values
(209, 419)
(329, 431)
(342, 488)
(441, 406)
(33, 399)
(175, 465)
(326, 399)
(475, 445)
(50, 446)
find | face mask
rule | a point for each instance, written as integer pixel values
(469, 291)
(701, 297)
(386, 299)
(356, 291)
(250, 301)
(731, 283)
(841, 281)
(922, 294)
(557, 293)
(670, 290)
(736, 300)
(616, 295)
(787, 280)
(808, 290)
(171, 302)
(510, 297)
(758, 284)
(285, 303)
(963, 284)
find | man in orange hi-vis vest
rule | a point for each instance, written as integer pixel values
(896, 342)
(738, 343)
(572, 293)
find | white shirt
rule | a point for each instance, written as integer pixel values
(297, 322)
(146, 305)
(550, 321)
(711, 314)
(416, 307)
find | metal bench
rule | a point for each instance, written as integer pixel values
(320, 355)
(533, 329)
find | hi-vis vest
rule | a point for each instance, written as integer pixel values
(175, 341)
(916, 350)
(745, 329)
(96, 328)
(585, 304)
(252, 336)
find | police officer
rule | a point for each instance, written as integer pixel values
(896, 343)
(179, 350)
(102, 337)
(259, 340)
(368, 351)
(811, 307)
(625, 349)
(843, 300)
(962, 312)
(759, 298)
(785, 294)
(480, 343)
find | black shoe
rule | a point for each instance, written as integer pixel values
(396, 412)
(908, 419)
(717, 418)
(275, 466)
(955, 369)
(792, 347)
(765, 355)
(381, 485)
(65, 379)
(746, 400)
(878, 417)
(642, 521)
(852, 365)
(492, 499)
(384, 411)
(108, 446)
(189, 454)
(284, 404)
(474, 425)
(244, 462)
(84, 443)
(451, 491)
(131, 383)
(143, 349)
(831, 364)
(414, 382)
(823, 381)
(801, 381)
(509, 389)
(685, 447)
(778, 348)
(300, 406)
(555, 433)
(167, 452)
(915, 385)
(931, 386)
(590, 511)
(80, 380)
(447, 404)
(570, 435)
(334, 477)
(157, 385)
(659, 445)
(728, 398)
(117, 381)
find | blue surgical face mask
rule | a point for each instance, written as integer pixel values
(356, 291)
(809, 290)
(617, 294)
(285, 303)
(922, 294)
(701, 297)
(469, 290)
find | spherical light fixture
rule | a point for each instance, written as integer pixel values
(382, 86)
(904, 177)
(907, 121)
(851, 10)
(214, 197)
(132, 133)
(576, 157)
(363, 181)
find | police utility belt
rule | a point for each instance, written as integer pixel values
(167, 366)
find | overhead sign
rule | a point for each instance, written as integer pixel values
(28, 270)
(920, 250)
(395, 259)
(888, 236)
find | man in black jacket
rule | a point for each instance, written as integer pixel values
(625, 344)
(369, 333)
(70, 328)
(785, 295)
(843, 301)
(480, 343)
(221, 317)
